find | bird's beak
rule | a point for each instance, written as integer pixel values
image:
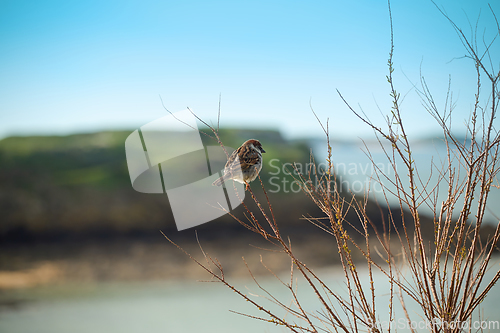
(262, 150)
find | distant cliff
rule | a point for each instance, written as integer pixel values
(78, 185)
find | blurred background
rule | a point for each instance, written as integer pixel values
(80, 250)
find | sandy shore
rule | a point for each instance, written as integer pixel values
(26, 266)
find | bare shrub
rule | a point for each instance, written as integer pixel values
(444, 276)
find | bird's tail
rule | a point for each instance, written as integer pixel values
(218, 181)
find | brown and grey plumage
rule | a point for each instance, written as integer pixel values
(244, 164)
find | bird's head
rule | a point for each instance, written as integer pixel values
(256, 144)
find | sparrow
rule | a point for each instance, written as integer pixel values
(244, 164)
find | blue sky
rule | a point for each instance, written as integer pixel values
(68, 67)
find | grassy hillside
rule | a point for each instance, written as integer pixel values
(79, 185)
